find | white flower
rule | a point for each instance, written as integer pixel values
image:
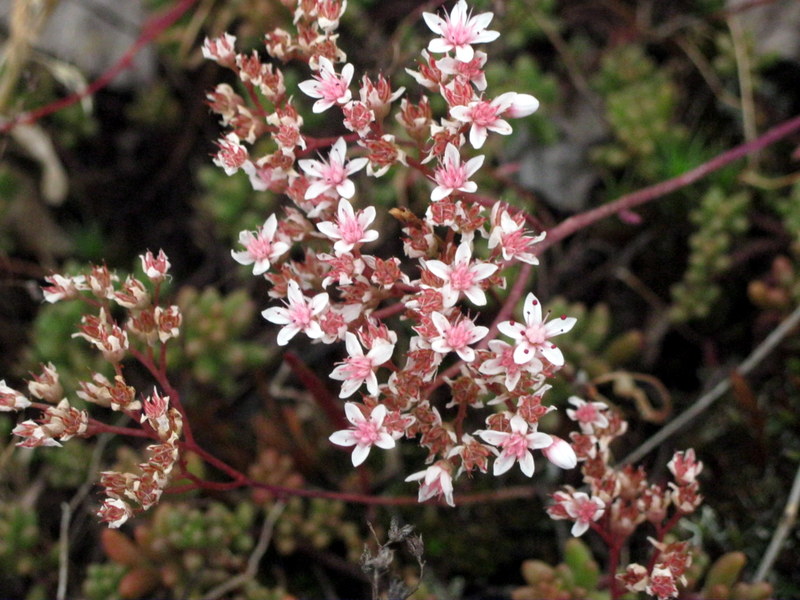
(451, 175)
(485, 116)
(331, 177)
(461, 276)
(584, 510)
(261, 247)
(534, 336)
(300, 314)
(436, 480)
(358, 368)
(350, 228)
(516, 445)
(589, 415)
(503, 364)
(330, 87)
(365, 433)
(456, 336)
(509, 234)
(459, 30)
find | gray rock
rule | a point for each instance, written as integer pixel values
(93, 35)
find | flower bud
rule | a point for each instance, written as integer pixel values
(561, 454)
(46, 385)
(11, 399)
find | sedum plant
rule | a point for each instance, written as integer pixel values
(438, 343)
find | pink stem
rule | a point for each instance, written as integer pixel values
(629, 201)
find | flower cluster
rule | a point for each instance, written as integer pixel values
(619, 500)
(320, 254)
(145, 330)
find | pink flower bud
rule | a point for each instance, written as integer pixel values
(11, 399)
(220, 49)
(46, 386)
(115, 512)
(155, 268)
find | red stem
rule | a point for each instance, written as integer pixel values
(632, 200)
(160, 375)
(151, 29)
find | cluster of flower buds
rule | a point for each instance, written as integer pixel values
(128, 493)
(59, 422)
(338, 292)
(146, 324)
(620, 499)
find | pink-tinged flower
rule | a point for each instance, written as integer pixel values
(263, 176)
(576, 506)
(35, 435)
(155, 267)
(661, 583)
(327, 85)
(503, 364)
(634, 578)
(46, 385)
(225, 102)
(231, 155)
(560, 453)
(534, 336)
(685, 498)
(509, 234)
(300, 314)
(261, 247)
(358, 117)
(155, 411)
(133, 295)
(115, 512)
(359, 368)
(350, 228)
(331, 177)
(100, 281)
(383, 153)
(516, 445)
(328, 14)
(456, 337)
(459, 30)
(105, 335)
(62, 421)
(584, 511)
(220, 50)
(378, 95)
(168, 321)
(486, 116)
(365, 433)
(451, 175)
(436, 480)
(472, 71)
(345, 269)
(461, 276)
(11, 399)
(589, 415)
(63, 287)
(429, 76)
(684, 467)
